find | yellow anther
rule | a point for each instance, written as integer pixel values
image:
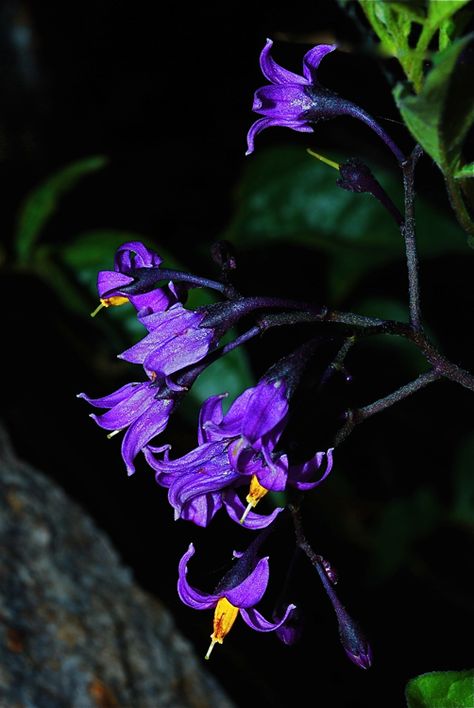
(115, 301)
(225, 615)
(326, 160)
(256, 492)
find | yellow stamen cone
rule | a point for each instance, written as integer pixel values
(225, 615)
(256, 492)
(115, 301)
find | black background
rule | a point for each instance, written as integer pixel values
(166, 95)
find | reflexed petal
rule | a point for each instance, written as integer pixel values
(156, 300)
(211, 412)
(210, 456)
(135, 254)
(174, 341)
(189, 595)
(298, 474)
(312, 59)
(113, 398)
(190, 485)
(273, 473)
(181, 351)
(202, 509)
(128, 409)
(235, 508)
(287, 103)
(109, 282)
(231, 424)
(150, 423)
(252, 589)
(263, 123)
(267, 407)
(274, 72)
(255, 620)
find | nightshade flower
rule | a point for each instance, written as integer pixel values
(234, 449)
(129, 257)
(298, 102)
(141, 408)
(239, 591)
(175, 340)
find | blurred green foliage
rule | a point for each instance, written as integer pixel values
(70, 270)
(436, 105)
(441, 689)
(287, 196)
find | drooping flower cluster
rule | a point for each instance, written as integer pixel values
(235, 449)
(238, 459)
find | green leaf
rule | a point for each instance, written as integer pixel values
(463, 483)
(424, 114)
(42, 202)
(466, 171)
(288, 197)
(440, 10)
(441, 116)
(393, 22)
(441, 689)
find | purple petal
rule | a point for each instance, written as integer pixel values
(252, 589)
(200, 511)
(211, 412)
(312, 59)
(135, 254)
(209, 456)
(264, 123)
(189, 595)
(181, 351)
(231, 424)
(113, 398)
(286, 103)
(156, 300)
(128, 409)
(193, 484)
(299, 474)
(273, 475)
(274, 72)
(152, 422)
(255, 620)
(235, 508)
(267, 407)
(110, 282)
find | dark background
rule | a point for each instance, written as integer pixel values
(168, 99)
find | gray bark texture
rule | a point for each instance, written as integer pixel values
(75, 631)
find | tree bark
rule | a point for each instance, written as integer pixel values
(75, 631)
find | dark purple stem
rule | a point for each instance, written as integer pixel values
(148, 278)
(354, 417)
(357, 112)
(352, 639)
(408, 233)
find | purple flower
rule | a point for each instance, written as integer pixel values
(239, 591)
(234, 449)
(129, 257)
(175, 340)
(298, 102)
(292, 101)
(141, 408)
